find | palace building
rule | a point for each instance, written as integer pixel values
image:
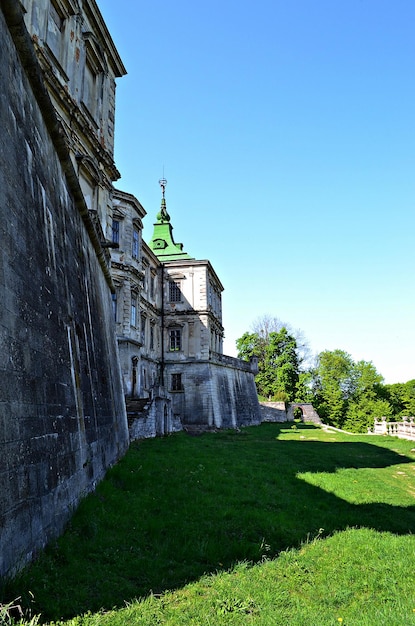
(104, 337)
(168, 314)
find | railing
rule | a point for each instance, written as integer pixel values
(404, 429)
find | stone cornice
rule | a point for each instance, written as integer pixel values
(77, 123)
(127, 269)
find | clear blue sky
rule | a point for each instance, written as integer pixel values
(286, 129)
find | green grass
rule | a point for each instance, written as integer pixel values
(269, 525)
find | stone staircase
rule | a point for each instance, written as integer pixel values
(136, 407)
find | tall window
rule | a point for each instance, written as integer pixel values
(114, 306)
(115, 231)
(89, 93)
(143, 329)
(176, 382)
(93, 78)
(135, 248)
(151, 286)
(175, 294)
(55, 31)
(175, 343)
(133, 319)
(152, 337)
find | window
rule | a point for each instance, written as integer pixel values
(175, 343)
(143, 329)
(136, 240)
(114, 306)
(90, 88)
(152, 287)
(133, 319)
(176, 382)
(151, 337)
(115, 231)
(175, 294)
(55, 30)
(93, 77)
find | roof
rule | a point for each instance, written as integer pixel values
(162, 243)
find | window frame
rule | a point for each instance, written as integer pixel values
(143, 328)
(175, 292)
(176, 382)
(133, 312)
(175, 339)
(135, 244)
(115, 231)
(114, 299)
(94, 69)
(55, 28)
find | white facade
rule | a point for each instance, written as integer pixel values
(170, 335)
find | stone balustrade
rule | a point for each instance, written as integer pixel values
(404, 429)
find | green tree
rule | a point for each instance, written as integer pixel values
(349, 395)
(366, 403)
(361, 414)
(334, 384)
(304, 387)
(278, 362)
(401, 396)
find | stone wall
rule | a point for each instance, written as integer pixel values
(276, 412)
(308, 412)
(280, 412)
(219, 393)
(62, 416)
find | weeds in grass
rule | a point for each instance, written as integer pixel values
(12, 614)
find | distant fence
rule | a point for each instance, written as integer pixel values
(404, 429)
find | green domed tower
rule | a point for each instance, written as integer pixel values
(162, 242)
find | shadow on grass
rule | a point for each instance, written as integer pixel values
(174, 509)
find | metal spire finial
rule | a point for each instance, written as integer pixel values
(163, 183)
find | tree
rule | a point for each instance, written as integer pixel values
(304, 388)
(347, 394)
(361, 415)
(278, 362)
(333, 385)
(402, 398)
(266, 324)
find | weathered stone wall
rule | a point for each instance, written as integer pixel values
(219, 393)
(276, 412)
(62, 417)
(279, 412)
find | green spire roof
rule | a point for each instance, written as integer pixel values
(162, 242)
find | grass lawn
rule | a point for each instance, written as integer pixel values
(269, 525)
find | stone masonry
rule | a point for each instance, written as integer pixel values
(62, 415)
